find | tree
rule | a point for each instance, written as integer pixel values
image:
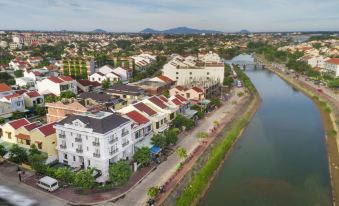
(334, 83)
(153, 192)
(65, 174)
(159, 140)
(215, 102)
(216, 123)
(17, 154)
(3, 150)
(120, 172)
(2, 120)
(105, 84)
(67, 94)
(84, 179)
(49, 99)
(171, 136)
(41, 111)
(33, 150)
(38, 162)
(182, 153)
(199, 109)
(202, 135)
(18, 115)
(179, 121)
(143, 156)
(18, 73)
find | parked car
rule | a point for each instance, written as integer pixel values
(14, 198)
(48, 183)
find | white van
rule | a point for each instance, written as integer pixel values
(48, 183)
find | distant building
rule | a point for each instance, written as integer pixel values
(127, 92)
(77, 68)
(332, 66)
(56, 85)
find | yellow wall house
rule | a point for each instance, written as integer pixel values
(9, 130)
(44, 138)
(23, 134)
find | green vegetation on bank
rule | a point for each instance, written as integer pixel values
(201, 179)
(244, 78)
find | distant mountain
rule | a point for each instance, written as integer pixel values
(180, 30)
(244, 31)
(99, 31)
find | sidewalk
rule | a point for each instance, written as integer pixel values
(189, 141)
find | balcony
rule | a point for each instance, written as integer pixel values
(112, 152)
(79, 150)
(125, 144)
(63, 146)
(113, 140)
(97, 155)
(96, 144)
(62, 136)
(124, 133)
(78, 139)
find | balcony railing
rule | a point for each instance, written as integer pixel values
(63, 146)
(97, 155)
(113, 140)
(79, 150)
(78, 139)
(125, 144)
(62, 136)
(96, 143)
(112, 152)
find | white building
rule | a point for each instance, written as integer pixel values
(189, 69)
(142, 61)
(109, 73)
(16, 101)
(94, 140)
(332, 66)
(56, 85)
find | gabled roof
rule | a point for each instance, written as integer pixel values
(155, 100)
(333, 61)
(47, 129)
(60, 79)
(33, 94)
(176, 101)
(181, 98)
(165, 79)
(163, 98)
(5, 88)
(144, 108)
(86, 82)
(66, 78)
(16, 124)
(181, 88)
(31, 126)
(22, 91)
(9, 97)
(137, 117)
(197, 89)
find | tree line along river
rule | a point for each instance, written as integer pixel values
(281, 157)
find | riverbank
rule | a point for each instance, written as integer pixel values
(329, 111)
(194, 184)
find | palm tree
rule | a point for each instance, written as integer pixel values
(182, 153)
(202, 135)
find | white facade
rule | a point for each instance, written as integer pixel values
(56, 85)
(16, 101)
(332, 66)
(190, 69)
(25, 82)
(79, 145)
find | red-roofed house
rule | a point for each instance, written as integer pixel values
(44, 137)
(16, 101)
(193, 93)
(5, 90)
(33, 98)
(88, 86)
(141, 128)
(10, 130)
(56, 85)
(332, 66)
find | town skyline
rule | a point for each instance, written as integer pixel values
(136, 15)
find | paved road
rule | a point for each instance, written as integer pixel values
(43, 198)
(138, 196)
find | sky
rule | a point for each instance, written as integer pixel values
(135, 15)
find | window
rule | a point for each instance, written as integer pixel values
(177, 72)
(157, 125)
(74, 158)
(39, 145)
(190, 73)
(9, 134)
(177, 77)
(65, 156)
(208, 73)
(18, 104)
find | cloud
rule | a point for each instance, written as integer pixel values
(134, 15)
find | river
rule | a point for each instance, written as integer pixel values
(281, 158)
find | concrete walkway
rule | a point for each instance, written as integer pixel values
(189, 141)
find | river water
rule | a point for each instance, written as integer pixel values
(281, 158)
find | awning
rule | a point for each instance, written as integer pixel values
(23, 136)
(155, 150)
(38, 142)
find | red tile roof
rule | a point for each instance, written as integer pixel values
(66, 78)
(36, 73)
(33, 94)
(31, 126)
(181, 88)
(155, 100)
(144, 108)
(181, 98)
(5, 88)
(165, 79)
(177, 101)
(163, 98)
(23, 136)
(16, 124)
(86, 82)
(47, 129)
(137, 117)
(333, 61)
(9, 97)
(21, 91)
(56, 80)
(197, 89)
